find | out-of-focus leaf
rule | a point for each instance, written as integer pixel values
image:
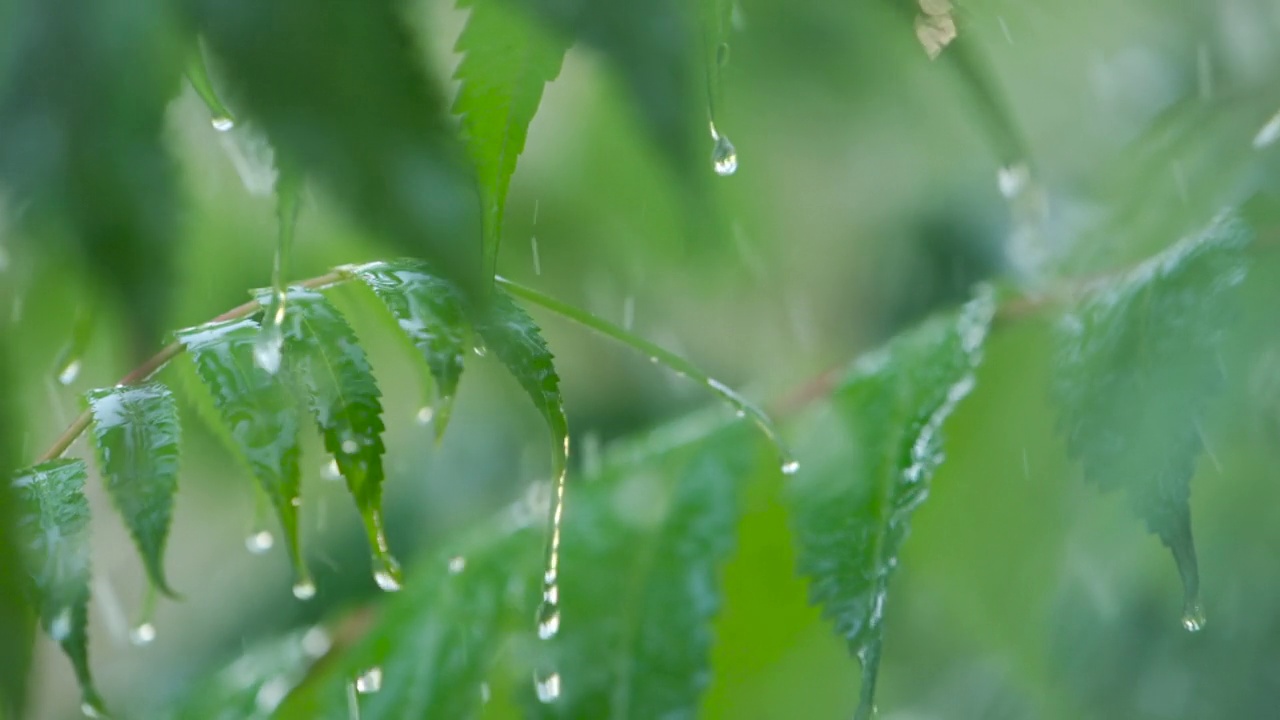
(254, 684)
(643, 545)
(1137, 362)
(517, 343)
(323, 354)
(136, 432)
(866, 462)
(54, 525)
(428, 310)
(81, 115)
(254, 414)
(340, 88)
(17, 622)
(433, 647)
(506, 61)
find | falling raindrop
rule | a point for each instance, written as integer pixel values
(369, 681)
(267, 350)
(142, 634)
(304, 589)
(548, 688)
(222, 124)
(260, 542)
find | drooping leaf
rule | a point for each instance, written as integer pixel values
(324, 355)
(516, 341)
(254, 413)
(81, 117)
(434, 645)
(136, 432)
(715, 25)
(340, 88)
(866, 461)
(643, 545)
(54, 525)
(506, 61)
(428, 310)
(1137, 363)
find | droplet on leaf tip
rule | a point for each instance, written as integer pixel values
(222, 124)
(425, 414)
(1193, 617)
(304, 589)
(260, 542)
(142, 634)
(724, 157)
(330, 471)
(548, 689)
(387, 573)
(369, 681)
(69, 372)
(93, 709)
(790, 467)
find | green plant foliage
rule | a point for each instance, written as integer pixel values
(1137, 363)
(253, 412)
(54, 518)
(869, 456)
(136, 432)
(643, 544)
(339, 88)
(325, 357)
(506, 61)
(81, 112)
(15, 616)
(429, 311)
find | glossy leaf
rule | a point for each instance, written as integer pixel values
(866, 462)
(340, 88)
(643, 545)
(136, 432)
(54, 524)
(509, 332)
(324, 355)
(254, 414)
(1137, 363)
(506, 61)
(428, 310)
(81, 117)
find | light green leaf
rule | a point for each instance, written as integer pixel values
(324, 355)
(866, 461)
(506, 61)
(1137, 363)
(643, 545)
(54, 523)
(509, 332)
(254, 414)
(136, 432)
(428, 310)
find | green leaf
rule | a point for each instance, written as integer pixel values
(506, 61)
(324, 355)
(54, 523)
(136, 432)
(866, 463)
(255, 415)
(428, 310)
(1137, 363)
(81, 118)
(639, 587)
(15, 617)
(509, 332)
(340, 88)
(435, 644)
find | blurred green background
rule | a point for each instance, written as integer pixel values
(866, 197)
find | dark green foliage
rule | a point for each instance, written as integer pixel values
(1137, 363)
(135, 429)
(17, 621)
(339, 87)
(868, 458)
(253, 412)
(82, 103)
(53, 522)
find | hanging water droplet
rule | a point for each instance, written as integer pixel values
(425, 414)
(388, 575)
(548, 689)
(1193, 618)
(92, 708)
(304, 589)
(724, 157)
(69, 372)
(142, 634)
(790, 467)
(330, 471)
(457, 565)
(1012, 179)
(222, 124)
(260, 542)
(369, 681)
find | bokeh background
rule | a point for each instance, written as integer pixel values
(866, 197)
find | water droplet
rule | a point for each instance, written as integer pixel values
(222, 124)
(1193, 618)
(480, 350)
(304, 589)
(330, 471)
(1013, 179)
(740, 413)
(350, 447)
(550, 625)
(724, 157)
(457, 565)
(387, 573)
(260, 542)
(369, 681)
(1268, 134)
(92, 708)
(425, 414)
(548, 689)
(790, 467)
(143, 634)
(69, 372)
(316, 642)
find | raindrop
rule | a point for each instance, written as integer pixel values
(316, 642)
(457, 565)
(388, 578)
(1013, 179)
(790, 467)
(369, 681)
(480, 350)
(330, 471)
(1193, 618)
(548, 689)
(740, 413)
(304, 589)
(142, 634)
(222, 124)
(260, 542)
(549, 626)
(425, 414)
(350, 447)
(92, 708)
(69, 372)
(724, 156)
